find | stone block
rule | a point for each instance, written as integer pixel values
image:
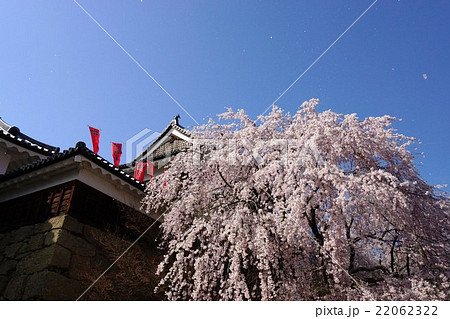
(7, 267)
(66, 239)
(52, 223)
(21, 256)
(72, 225)
(15, 288)
(22, 251)
(48, 285)
(60, 222)
(36, 242)
(3, 283)
(12, 250)
(20, 234)
(51, 256)
(4, 242)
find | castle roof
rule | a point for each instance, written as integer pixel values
(79, 149)
(14, 135)
(173, 129)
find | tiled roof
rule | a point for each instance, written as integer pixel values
(172, 125)
(79, 149)
(14, 135)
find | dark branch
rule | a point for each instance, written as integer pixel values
(373, 268)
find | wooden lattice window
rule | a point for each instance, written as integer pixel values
(60, 201)
(36, 207)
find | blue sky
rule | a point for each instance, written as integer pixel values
(61, 72)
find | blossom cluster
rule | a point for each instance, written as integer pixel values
(315, 205)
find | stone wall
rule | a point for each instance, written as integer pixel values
(46, 261)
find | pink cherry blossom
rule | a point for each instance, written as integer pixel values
(310, 206)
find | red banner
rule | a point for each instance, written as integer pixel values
(165, 182)
(116, 153)
(95, 136)
(139, 173)
(151, 169)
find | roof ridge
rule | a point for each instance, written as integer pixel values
(79, 149)
(174, 124)
(14, 133)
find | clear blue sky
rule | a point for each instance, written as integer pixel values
(60, 72)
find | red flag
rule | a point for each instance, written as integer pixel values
(116, 153)
(95, 136)
(151, 169)
(165, 182)
(139, 173)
